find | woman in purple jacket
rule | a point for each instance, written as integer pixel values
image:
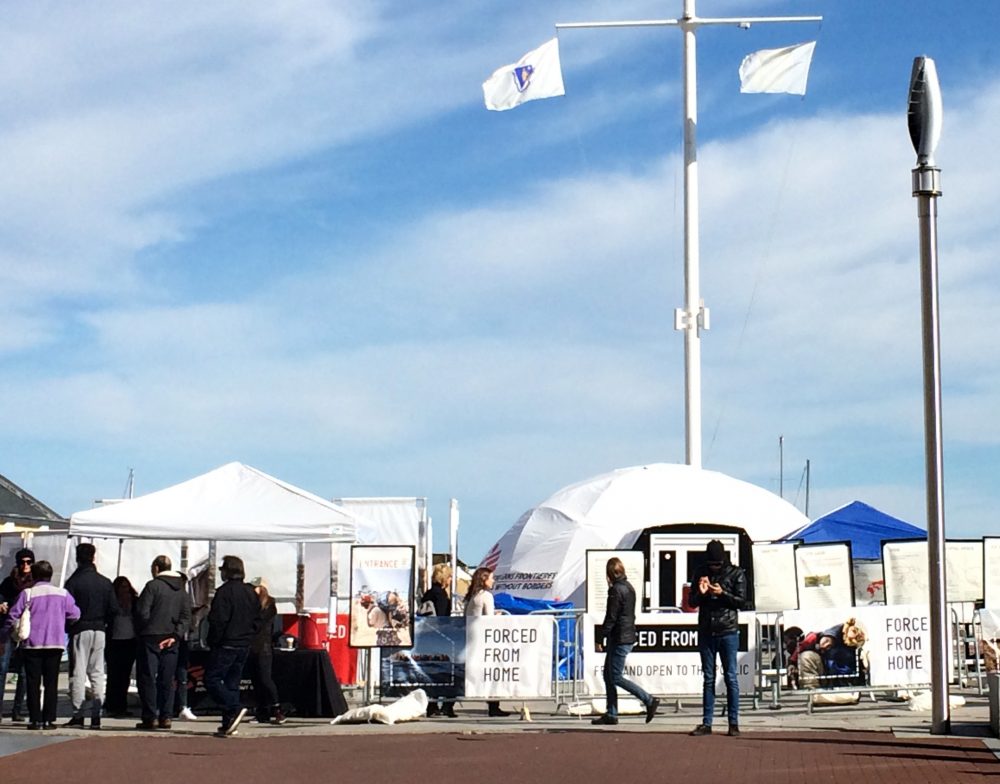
(51, 608)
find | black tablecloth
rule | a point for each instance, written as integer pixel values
(307, 684)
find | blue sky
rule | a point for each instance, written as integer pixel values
(290, 234)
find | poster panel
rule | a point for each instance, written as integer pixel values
(991, 571)
(435, 663)
(869, 583)
(824, 576)
(897, 641)
(774, 584)
(508, 656)
(905, 566)
(597, 581)
(381, 596)
(665, 658)
(964, 570)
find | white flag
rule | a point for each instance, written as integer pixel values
(536, 75)
(777, 70)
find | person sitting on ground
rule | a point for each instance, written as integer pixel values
(833, 652)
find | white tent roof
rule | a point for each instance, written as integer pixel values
(234, 502)
(549, 543)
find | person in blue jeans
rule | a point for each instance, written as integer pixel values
(233, 621)
(720, 593)
(616, 638)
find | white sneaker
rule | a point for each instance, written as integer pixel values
(187, 714)
(231, 728)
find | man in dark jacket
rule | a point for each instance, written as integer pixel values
(163, 613)
(720, 593)
(616, 637)
(95, 597)
(233, 622)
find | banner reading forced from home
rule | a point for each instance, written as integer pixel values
(892, 642)
(508, 657)
(665, 659)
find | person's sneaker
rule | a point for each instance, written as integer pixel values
(605, 719)
(231, 727)
(734, 730)
(651, 709)
(164, 724)
(76, 721)
(187, 714)
(95, 724)
(701, 729)
(278, 717)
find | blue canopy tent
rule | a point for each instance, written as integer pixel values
(864, 526)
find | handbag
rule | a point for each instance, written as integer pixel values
(22, 627)
(427, 608)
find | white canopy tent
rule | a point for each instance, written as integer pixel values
(231, 503)
(544, 554)
(272, 525)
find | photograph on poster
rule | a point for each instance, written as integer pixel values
(824, 575)
(879, 645)
(381, 596)
(828, 657)
(435, 663)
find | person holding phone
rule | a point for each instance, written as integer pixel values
(720, 593)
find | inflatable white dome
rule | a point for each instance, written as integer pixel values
(544, 554)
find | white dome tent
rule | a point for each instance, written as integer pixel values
(544, 554)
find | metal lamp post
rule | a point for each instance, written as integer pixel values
(924, 118)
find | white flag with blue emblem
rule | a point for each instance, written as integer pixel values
(536, 75)
(783, 70)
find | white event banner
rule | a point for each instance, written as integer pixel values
(508, 657)
(665, 658)
(897, 648)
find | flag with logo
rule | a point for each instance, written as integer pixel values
(536, 75)
(784, 70)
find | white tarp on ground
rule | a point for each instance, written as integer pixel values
(234, 502)
(544, 553)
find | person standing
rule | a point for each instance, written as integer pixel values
(233, 622)
(51, 609)
(720, 593)
(479, 601)
(617, 636)
(261, 657)
(164, 615)
(120, 648)
(438, 595)
(11, 659)
(95, 596)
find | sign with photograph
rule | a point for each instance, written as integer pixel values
(891, 643)
(824, 575)
(597, 580)
(508, 656)
(665, 658)
(381, 596)
(435, 663)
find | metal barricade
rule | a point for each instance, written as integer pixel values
(568, 682)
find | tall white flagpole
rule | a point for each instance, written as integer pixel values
(693, 317)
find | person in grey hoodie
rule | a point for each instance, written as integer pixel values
(163, 614)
